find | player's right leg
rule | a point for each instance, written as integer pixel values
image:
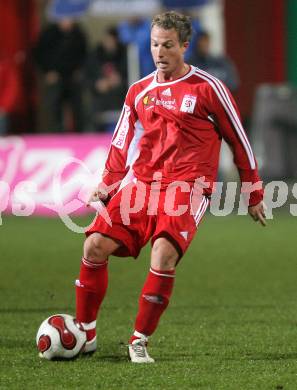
(92, 283)
(117, 239)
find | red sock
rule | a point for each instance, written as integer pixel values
(153, 301)
(90, 291)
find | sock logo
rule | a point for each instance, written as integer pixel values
(78, 283)
(154, 298)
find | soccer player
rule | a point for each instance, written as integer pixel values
(168, 135)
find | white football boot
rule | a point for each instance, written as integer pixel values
(90, 329)
(90, 346)
(138, 353)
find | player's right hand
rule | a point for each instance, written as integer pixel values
(99, 193)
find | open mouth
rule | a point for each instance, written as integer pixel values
(162, 63)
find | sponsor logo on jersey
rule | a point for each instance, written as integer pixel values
(188, 104)
(123, 129)
(149, 101)
(169, 104)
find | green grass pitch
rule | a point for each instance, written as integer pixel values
(231, 324)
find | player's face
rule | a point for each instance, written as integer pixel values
(167, 51)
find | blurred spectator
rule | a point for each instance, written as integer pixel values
(137, 30)
(219, 66)
(61, 53)
(19, 25)
(106, 72)
(196, 31)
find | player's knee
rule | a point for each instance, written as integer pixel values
(164, 255)
(95, 249)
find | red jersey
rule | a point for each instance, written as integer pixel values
(175, 128)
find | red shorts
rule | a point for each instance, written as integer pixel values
(138, 212)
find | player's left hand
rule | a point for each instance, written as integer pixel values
(257, 212)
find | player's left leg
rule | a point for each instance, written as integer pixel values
(171, 238)
(154, 298)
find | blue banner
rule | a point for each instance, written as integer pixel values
(183, 3)
(59, 9)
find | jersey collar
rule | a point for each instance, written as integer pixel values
(189, 74)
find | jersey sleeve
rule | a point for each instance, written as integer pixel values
(222, 108)
(115, 165)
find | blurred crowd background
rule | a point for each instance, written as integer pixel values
(65, 65)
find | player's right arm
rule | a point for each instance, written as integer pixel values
(115, 166)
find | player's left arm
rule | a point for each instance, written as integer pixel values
(221, 105)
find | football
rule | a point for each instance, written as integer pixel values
(60, 337)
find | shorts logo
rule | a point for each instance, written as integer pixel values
(184, 235)
(123, 129)
(188, 104)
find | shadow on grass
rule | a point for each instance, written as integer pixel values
(264, 356)
(222, 306)
(272, 356)
(115, 358)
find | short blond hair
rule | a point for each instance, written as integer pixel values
(174, 20)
